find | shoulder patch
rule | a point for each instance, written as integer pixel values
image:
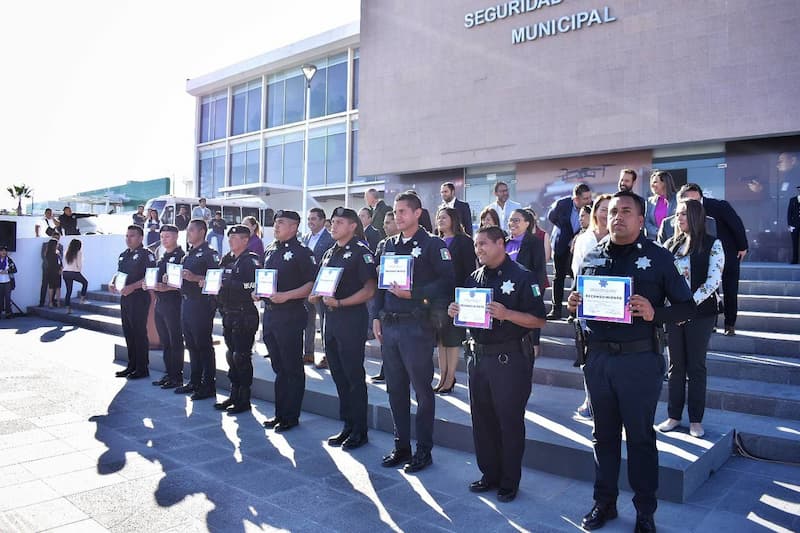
(445, 254)
(368, 259)
(535, 289)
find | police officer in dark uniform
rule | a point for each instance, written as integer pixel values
(346, 314)
(239, 317)
(168, 311)
(285, 317)
(405, 326)
(500, 363)
(135, 303)
(624, 369)
(197, 313)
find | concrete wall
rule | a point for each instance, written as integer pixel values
(434, 94)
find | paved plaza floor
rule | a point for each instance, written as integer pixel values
(82, 451)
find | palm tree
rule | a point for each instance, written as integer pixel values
(18, 192)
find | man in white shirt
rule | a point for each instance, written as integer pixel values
(49, 222)
(201, 211)
(503, 206)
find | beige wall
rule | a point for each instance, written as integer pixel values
(434, 94)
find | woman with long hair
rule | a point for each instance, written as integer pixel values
(524, 247)
(462, 252)
(489, 217)
(73, 263)
(661, 203)
(542, 234)
(53, 261)
(255, 244)
(596, 232)
(700, 258)
(152, 225)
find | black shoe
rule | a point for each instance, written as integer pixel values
(645, 524)
(185, 389)
(161, 381)
(481, 485)
(355, 441)
(598, 516)
(202, 393)
(270, 423)
(442, 390)
(338, 439)
(138, 375)
(506, 495)
(397, 457)
(420, 461)
(221, 406)
(171, 384)
(284, 425)
(377, 377)
(237, 409)
(553, 315)
(124, 373)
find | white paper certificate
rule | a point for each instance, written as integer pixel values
(396, 269)
(150, 278)
(473, 308)
(266, 281)
(605, 298)
(119, 280)
(174, 275)
(327, 281)
(213, 281)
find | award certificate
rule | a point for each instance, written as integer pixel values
(605, 298)
(396, 269)
(327, 281)
(174, 275)
(473, 308)
(119, 280)
(213, 281)
(266, 281)
(150, 278)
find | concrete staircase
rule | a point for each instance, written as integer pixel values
(752, 389)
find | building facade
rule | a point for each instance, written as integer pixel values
(542, 94)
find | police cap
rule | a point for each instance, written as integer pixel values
(169, 227)
(239, 229)
(284, 213)
(344, 212)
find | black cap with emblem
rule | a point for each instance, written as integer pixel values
(239, 229)
(291, 215)
(344, 212)
(169, 227)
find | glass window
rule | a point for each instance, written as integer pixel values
(318, 93)
(274, 161)
(316, 157)
(329, 86)
(220, 110)
(254, 106)
(213, 111)
(335, 157)
(355, 80)
(293, 160)
(295, 99)
(237, 168)
(354, 153)
(232, 214)
(246, 112)
(285, 98)
(337, 88)
(212, 172)
(275, 93)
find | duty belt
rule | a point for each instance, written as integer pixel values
(392, 318)
(514, 346)
(643, 345)
(288, 306)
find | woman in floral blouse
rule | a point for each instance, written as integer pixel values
(699, 257)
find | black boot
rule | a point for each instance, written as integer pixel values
(205, 390)
(242, 403)
(221, 406)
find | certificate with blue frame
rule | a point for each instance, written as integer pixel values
(605, 298)
(327, 281)
(266, 281)
(397, 269)
(473, 308)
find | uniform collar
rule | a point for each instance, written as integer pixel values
(419, 235)
(352, 243)
(624, 249)
(505, 265)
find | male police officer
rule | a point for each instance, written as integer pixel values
(168, 311)
(345, 336)
(285, 317)
(624, 371)
(406, 330)
(197, 313)
(134, 303)
(239, 317)
(500, 362)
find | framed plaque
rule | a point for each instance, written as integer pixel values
(605, 298)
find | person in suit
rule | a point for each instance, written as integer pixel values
(730, 230)
(669, 226)
(627, 179)
(448, 192)
(503, 205)
(318, 239)
(372, 236)
(565, 217)
(379, 209)
(661, 204)
(793, 218)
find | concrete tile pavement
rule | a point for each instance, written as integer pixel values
(84, 451)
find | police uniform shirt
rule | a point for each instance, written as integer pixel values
(198, 260)
(294, 262)
(433, 278)
(135, 262)
(175, 256)
(358, 263)
(238, 278)
(517, 289)
(654, 277)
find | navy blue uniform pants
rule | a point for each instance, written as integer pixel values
(283, 336)
(730, 288)
(408, 360)
(134, 308)
(688, 346)
(197, 322)
(624, 391)
(168, 325)
(239, 328)
(344, 348)
(499, 387)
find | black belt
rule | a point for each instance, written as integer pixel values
(514, 346)
(391, 318)
(196, 296)
(268, 306)
(644, 345)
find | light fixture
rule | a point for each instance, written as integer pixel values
(309, 71)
